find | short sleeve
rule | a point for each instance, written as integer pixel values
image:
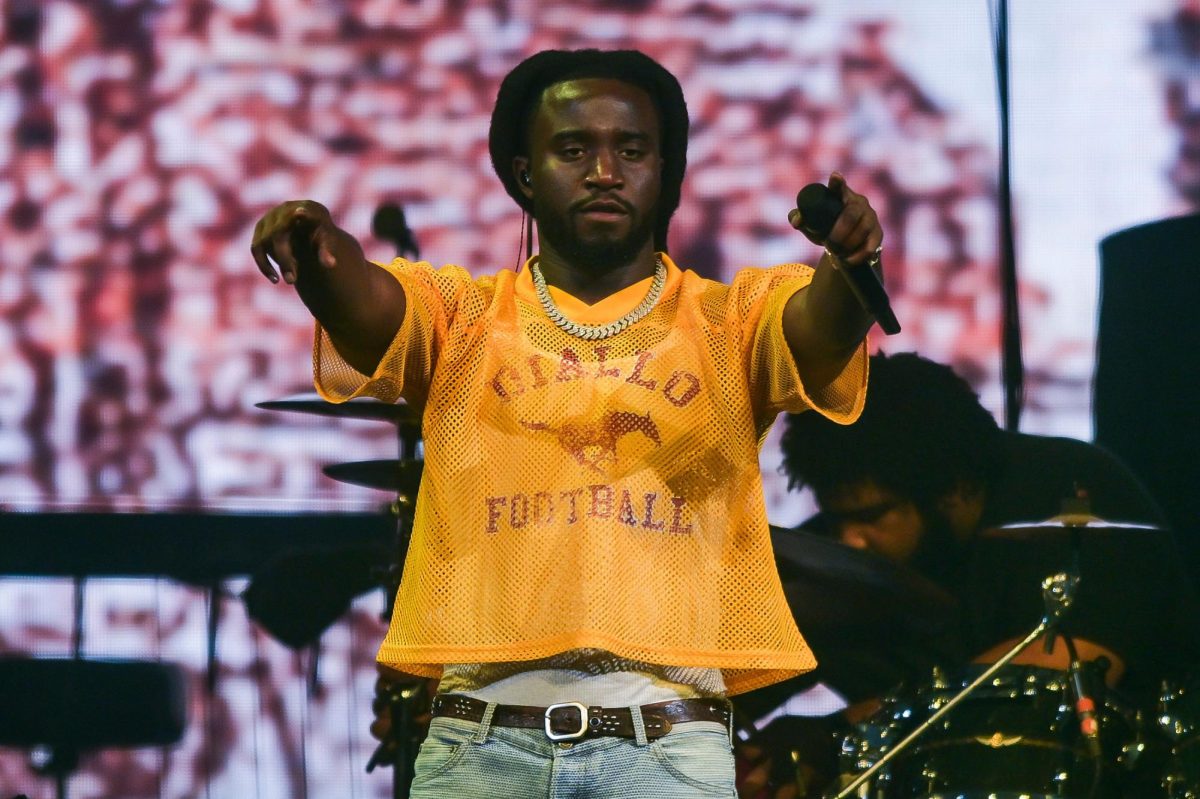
(774, 379)
(432, 300)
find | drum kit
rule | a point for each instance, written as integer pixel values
(940, 726)
(943, 727)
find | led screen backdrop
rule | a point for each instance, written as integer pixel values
(139, 142)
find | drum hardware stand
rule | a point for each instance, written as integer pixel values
(400, 745)
(402, 741)
(399, 748)
(1058, 593)
(389, 576)
(1174, 782)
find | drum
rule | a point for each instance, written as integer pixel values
(1015, 737)
(1179, 722)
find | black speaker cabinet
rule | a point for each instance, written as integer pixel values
(1147, 385)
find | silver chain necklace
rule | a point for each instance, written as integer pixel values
(594, 332)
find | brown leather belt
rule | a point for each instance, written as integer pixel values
(570, 721)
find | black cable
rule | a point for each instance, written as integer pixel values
(520, 243)
(257, 671)
(528, 237)
(1012, 365)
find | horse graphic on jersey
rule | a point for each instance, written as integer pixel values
(594, 444)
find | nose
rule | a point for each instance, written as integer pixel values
(855, 536)
(605, 171)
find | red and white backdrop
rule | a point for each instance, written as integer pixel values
(140, 140)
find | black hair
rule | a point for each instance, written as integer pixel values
(521, 93)
(922, 434)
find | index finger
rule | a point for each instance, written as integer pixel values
(258, 251)
(837, 184)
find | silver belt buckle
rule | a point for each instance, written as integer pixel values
(568, 736)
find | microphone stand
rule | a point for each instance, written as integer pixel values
(401, 744)
(1058, 593)
(402, 698)
(399, 747)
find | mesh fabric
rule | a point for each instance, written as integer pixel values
(593, 494)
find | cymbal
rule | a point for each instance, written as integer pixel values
(389, 475)
(831, 586)
(357, 408)
(1068, 523)
(871, 623)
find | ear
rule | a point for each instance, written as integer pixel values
(521, 174)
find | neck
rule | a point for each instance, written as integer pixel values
(591, 283)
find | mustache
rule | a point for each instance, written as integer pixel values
(580, 205)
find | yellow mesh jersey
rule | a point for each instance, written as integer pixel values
(593, 494)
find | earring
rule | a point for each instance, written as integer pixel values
(525, 179)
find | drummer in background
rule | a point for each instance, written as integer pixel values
(925, 471)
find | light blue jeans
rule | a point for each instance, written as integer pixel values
(463, 759)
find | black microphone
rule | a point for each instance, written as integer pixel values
(389, 224)
(819, 208)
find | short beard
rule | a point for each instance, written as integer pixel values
(596, 257)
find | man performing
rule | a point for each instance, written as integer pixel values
(590, 572)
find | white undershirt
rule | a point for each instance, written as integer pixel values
(589, 676)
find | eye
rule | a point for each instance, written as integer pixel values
(570, 151)
(632, 153)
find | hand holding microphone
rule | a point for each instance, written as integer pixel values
(844, 223)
